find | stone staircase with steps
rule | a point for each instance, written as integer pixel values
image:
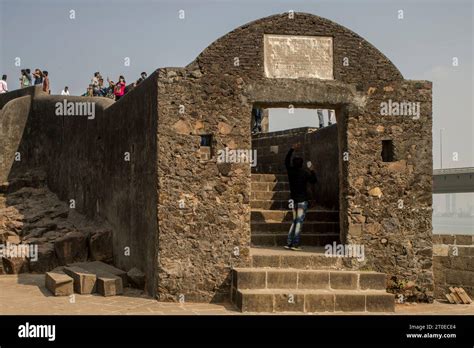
(271, 218)
(307, 282)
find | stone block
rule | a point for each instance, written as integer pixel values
(343, 280)
(440, 250)
(313, 280)
(98, 265)
(296, 261)
(109, 284)
(281, 279)
(319, 302)
(380, 303)
(59, 283)
(47, 259)
(460, 278)
(463, 240)
(249, 279)
(447, 239)
(15, 265)
(256, 302)
(100, 246)
(349, 302)
(72, 247)
(372, 280)
(265, 261)
(289, 302)
(84, 281)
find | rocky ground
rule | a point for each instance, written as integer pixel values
(31, 214)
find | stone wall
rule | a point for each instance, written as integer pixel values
(453, 263)
(323, 150)
(272, 148)
(364, 62)
(203, 207)
(318, 146)
(85, 161)
(390, 203)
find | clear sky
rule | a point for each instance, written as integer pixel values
(151, 34)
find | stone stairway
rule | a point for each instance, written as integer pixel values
(307, 281)
(271, 218)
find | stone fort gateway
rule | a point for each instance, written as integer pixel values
(202, 229)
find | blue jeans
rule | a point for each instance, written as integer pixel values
(299, 213)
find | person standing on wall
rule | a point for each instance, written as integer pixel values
(22, 78)
(257, 117)
(38, 75)
(142, 78)
(119, 89)
(28, 81)
(46, 82)
(298, 178)
(3, 84)
(320, 118)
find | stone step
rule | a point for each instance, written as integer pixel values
(269, 177)
(312, 301)
(273, 205)
(270, 195)
(292, 278)
(287, 215)
(84, 282)
(283, 227)
(269, 186)
(311, 257)
(307, 239)
(95, 266)
(59, 283)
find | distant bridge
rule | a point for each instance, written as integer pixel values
(453, 180)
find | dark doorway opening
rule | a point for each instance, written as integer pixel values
(271, 215)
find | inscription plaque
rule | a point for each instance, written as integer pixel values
(293, 56)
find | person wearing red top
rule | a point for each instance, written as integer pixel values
(119, 89)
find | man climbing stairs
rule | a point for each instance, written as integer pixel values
(306, 281)
(271, 216)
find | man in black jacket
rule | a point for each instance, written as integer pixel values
(298, 178)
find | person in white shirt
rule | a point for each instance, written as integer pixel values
(65, 91)
(3, 84)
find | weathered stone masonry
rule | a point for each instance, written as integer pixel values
(186, 220)
(218, 96)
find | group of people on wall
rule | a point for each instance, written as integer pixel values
(39, 77)
(114, 90)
